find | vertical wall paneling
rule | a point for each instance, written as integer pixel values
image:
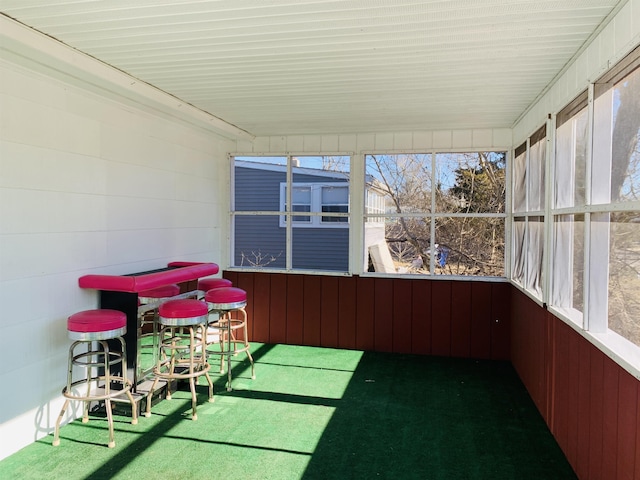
(402, 300)
(481, 320)
(294, 309)
(245, 282)
(329, 312)
(261, 309)
(441, 318)
(462, 315)
(596, 395)
(610, 422)
(383, 314)
(347, 312)
(627, 424)
(278, 309)
(311, 310)
(365, 323)
(500, 324)
(581, 464)
(590, 403)
(421, 317)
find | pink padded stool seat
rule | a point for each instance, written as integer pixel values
(97, 325)
(183, 312)
(182, 347)
(93, 331)
(207, 284)
(165, 291)
(227, 298)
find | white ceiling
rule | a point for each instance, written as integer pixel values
(275, 67)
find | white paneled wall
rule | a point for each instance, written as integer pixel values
(615, 40)
(87, 185)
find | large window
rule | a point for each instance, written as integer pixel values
(528, 210)
(291, 213)
(594, 234)
(444, 213)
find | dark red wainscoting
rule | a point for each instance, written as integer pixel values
(591, 404)
(422, 316)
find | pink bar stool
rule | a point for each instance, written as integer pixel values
(182, 347)
(224, 301)
(91, 329)
(206, 284)
(148, 341)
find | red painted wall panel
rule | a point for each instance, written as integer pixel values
(383, 314)
(311, 310)
(500, 321)
(295, 307)
(421, 317)
(365, 318)
(462, 316)
(329, 312)
(592, 404)
(347, 312)
(481, 320)
(402, 300)
(278, 309)
(441, 317)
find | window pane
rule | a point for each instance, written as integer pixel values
(519, 249)
(469, 246)
(470, 182)
(535, 249)
(406, 180)
(256, 183)
(520, 182)
(321, 249)
(258, 242)
(624, 275)
(571, 153)
(625, 155)
(535, 176)
(568, 262)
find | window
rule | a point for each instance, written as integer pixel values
(435, 213)
(527, 245)
(594, 234)
(316, 197)
(290, 213)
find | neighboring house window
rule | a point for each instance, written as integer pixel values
(316, 197)
(435, 213)
(291, 213)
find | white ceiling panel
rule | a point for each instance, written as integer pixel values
(275, 67)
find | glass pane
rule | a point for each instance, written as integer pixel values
(324, 249)
(624, 275)
(256, 183)
(470, 182)
(520, 183)
(571, 153)
(519, 249)
(404, 179)
(469, 246)
(301, 195)
(625, 154)
(535, 250)
(259, 241)
(568, 263)
(535, 176)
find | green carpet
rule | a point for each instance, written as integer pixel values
(315, 413)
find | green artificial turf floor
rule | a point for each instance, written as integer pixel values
(318, 413)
